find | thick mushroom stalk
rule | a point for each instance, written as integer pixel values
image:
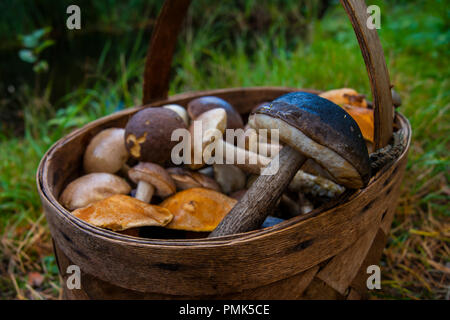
(251, 211)
(311, 127)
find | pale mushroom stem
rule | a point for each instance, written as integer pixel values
(254, 143)
(302, 181)
(144, 191)
(246, 160)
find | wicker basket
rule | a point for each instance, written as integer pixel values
(321, 255)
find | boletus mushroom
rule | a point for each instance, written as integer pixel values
(148, 134)
(151, 179)
(92, 187)
(197, 209)
(121, 212)
(310, 127)
(200, 105)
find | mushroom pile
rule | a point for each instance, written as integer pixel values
(132, 185)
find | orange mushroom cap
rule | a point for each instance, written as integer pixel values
(121, 212)
(197, 209)
(365, 120)
(345, 96)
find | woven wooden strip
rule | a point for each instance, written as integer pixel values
(341, 270)
(359, 283)
(286, 289)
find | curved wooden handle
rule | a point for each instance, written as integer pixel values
(373, 55)
(160, 51)
(159, 59)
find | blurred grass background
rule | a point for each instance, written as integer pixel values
(78, 76)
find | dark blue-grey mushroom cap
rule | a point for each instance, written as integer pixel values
(322, 131)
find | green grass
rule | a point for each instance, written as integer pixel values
(415, 38)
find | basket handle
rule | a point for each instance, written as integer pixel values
(164, 37)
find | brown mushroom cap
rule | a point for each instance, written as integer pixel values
(148, 134)
(106, 152)
(155, 175)
(320, 130)
(91, 188)
(200, 105)
(197, 209)
(121, 212)
(186, 179)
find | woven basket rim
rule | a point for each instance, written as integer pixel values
(83, 226)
